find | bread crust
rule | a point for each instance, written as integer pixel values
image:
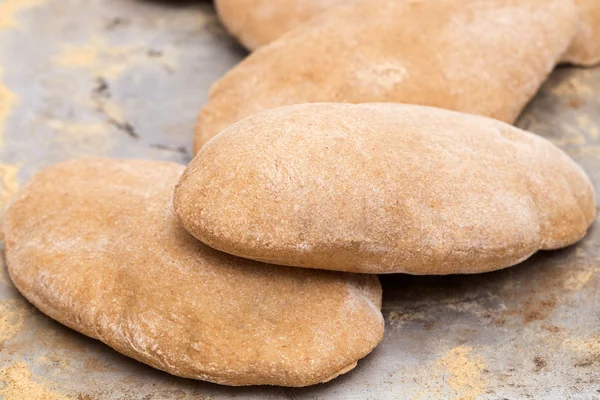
(585, 49)
(444, 53)
(258, 22)
(383, 188)
(95, 245)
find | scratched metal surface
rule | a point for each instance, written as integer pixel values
(125, 78)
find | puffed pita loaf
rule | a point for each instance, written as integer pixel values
(585, 49)
(258, 22)
(95, 244)
(444, 53)
(383, 188)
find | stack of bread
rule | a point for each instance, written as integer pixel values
(362, 137)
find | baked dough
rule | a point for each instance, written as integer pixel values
(258, 22)
(94, 244)
(382, 188)
(443, 53)
(585, 49)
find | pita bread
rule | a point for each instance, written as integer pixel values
(444, 53)
(258, 22)
(95, 244)
(585, 49)
(383, 188)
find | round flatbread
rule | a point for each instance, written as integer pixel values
(382, 188)
(484, 57)
(95, 244)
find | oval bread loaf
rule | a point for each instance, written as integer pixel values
(382, 188)
(259, 22)
(444, 53)
(95, 244)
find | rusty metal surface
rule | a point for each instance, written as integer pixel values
(125, 78)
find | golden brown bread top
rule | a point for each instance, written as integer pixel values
(259, 22)
(585, 49)
(381, 188)
(94, 244)
(444, 53)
